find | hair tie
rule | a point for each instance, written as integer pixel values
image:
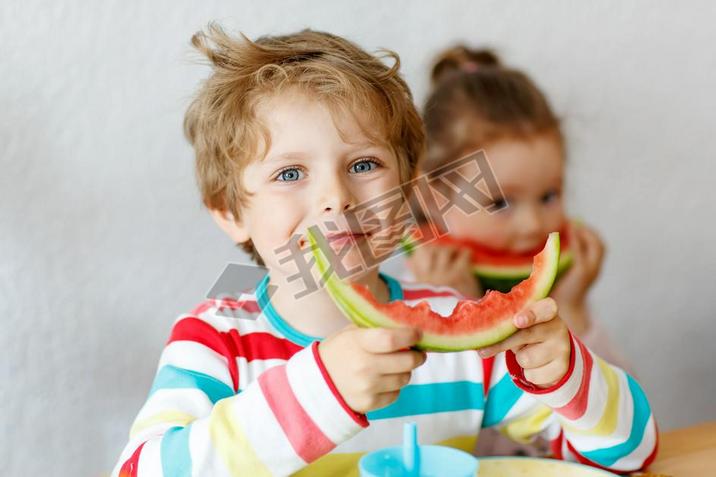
(469, 66)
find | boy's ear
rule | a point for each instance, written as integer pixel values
(233, 228)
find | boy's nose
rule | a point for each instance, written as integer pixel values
(336, 197)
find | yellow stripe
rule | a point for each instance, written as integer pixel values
(524, 428)
(178, 418)
(346, 464)
(608, 422)
(231, 443)
(464, 443)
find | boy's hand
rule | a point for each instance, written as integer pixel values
(445, 265)
(369, 366)
(542, 345)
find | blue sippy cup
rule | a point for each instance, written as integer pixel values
(413, 460)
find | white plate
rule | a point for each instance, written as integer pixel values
(532, 467)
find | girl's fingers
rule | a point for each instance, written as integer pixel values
(594, 248)
(578, 246)
(443, 257)
(464, 259)
(421, 262)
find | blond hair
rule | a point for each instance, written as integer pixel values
(221, 122)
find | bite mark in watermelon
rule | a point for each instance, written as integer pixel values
(472, 324)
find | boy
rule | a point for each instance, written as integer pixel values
(294, 132)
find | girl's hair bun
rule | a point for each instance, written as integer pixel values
(461, 59)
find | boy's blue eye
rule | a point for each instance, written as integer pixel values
(289, 175)
(363, 166)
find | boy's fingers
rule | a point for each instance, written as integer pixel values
(546, 375)
(388, 340)
(400, 362)
(516, 341)
(393, 382)
(533, 356)
(539, 312)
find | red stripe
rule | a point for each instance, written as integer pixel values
(305, 436)
(231, 344)
(198, 331)
(518, 374)
(576, 408)
(487, 365)
(359, 418)
(130, 468)
(250, 305)
(556, 446)
(261, 345)
(409, 294)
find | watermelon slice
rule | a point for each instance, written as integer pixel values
(472, 324)
(497, 269)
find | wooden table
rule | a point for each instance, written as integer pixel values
(687, 452)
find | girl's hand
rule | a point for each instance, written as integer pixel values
(369, 366)
(571, 290)
(542, 345)
(445, 265)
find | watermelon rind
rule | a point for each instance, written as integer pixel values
(361, 312)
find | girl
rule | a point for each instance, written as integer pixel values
(477, 103)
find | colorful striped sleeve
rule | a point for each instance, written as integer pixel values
(197, 421)
(596, 415)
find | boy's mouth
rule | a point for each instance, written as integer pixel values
(340, 239)
(337, 240)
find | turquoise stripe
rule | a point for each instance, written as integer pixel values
(394, 288)
(176, 458)
(171, 377)
(291, 333)
(417, 399)
(500, 399)
(606, 457)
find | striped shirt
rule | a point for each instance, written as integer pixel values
(239, 392)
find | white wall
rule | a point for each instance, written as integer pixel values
(103, 241)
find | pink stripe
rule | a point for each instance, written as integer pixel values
(576, 408)
(305, 436)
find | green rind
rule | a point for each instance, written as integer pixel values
(363, 314)
(518, 272)
(354, 306)
(505, 282)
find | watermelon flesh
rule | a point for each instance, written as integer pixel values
(472, 324)
(498, 269)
